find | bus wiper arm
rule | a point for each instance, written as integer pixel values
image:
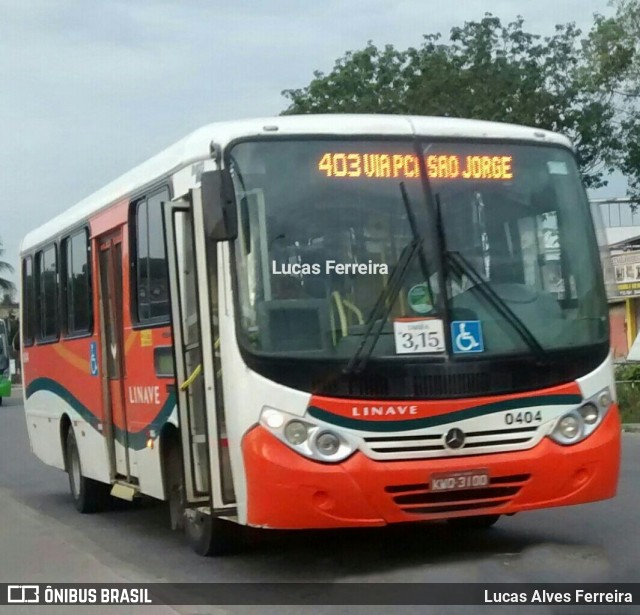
(388, 295)
(381, 309)
(462, 265)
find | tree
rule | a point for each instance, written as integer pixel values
(6, 286)
(487, 71)
(614, 49)
(613, 60)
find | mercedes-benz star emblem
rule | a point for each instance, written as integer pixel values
(454, 438)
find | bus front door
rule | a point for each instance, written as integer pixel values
(194, 348)
(110, 292)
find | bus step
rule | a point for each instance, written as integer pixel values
(124, 491)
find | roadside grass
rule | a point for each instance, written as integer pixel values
(628, 388)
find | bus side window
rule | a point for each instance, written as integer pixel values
(76, 285)
(152, 286)
(28, 301)
(47, 293)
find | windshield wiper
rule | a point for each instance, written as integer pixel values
(461, 265)
(382, 308)
(388, 295)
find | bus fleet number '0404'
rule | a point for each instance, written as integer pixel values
(523, 418)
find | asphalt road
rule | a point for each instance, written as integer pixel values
(43, 539)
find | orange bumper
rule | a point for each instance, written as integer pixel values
(288, 491)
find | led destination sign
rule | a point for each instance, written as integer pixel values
(405, 166)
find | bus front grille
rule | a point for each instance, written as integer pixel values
(432, 445)
(419, 499)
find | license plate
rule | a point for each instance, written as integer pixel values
(454, 481)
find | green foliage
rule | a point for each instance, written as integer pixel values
(612, 52)
(628, 388)
(492, 71)
(368, 81)
(6, 286)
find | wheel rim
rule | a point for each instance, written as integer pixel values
(75, 474)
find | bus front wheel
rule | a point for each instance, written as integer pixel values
(209, 535)
(88, 495)
(173, 478)
(205, 534)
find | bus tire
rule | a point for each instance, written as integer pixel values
(174, 486)
(481, 522)
(89, 495)
(210, 536)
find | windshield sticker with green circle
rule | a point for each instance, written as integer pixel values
(419, 299)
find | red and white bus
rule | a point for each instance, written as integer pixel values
(327, 321)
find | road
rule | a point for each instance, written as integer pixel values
(43, 539)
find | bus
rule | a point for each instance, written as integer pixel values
(327, 321)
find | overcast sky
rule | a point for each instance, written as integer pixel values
(90, 89)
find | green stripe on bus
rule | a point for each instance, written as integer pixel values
(443, 419)
(135, 440)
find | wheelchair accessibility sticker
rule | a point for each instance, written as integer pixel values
(466, 336)
(93, 358)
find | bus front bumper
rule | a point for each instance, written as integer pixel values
(288, 491)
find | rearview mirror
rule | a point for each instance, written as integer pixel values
(219, 206)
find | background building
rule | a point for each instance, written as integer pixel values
(621, 219)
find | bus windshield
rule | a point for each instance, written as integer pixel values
(507, 248)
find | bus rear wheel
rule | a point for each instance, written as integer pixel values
(481, 522)
(208, 535)
(89, 495)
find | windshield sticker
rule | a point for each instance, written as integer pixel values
(405, 166)
(557, 167)
(466, 336)
(419, 299)
(418, 335)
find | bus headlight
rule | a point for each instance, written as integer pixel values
(604, 399)
(589, 413)
(576, 425)
(273, 418)
(327, 443)
(307, 436)
(295, 432)
(568, 429)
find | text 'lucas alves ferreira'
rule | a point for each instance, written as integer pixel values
(541, 596)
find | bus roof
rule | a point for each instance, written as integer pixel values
(196, 146)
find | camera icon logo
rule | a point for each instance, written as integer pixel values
(23, 594)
